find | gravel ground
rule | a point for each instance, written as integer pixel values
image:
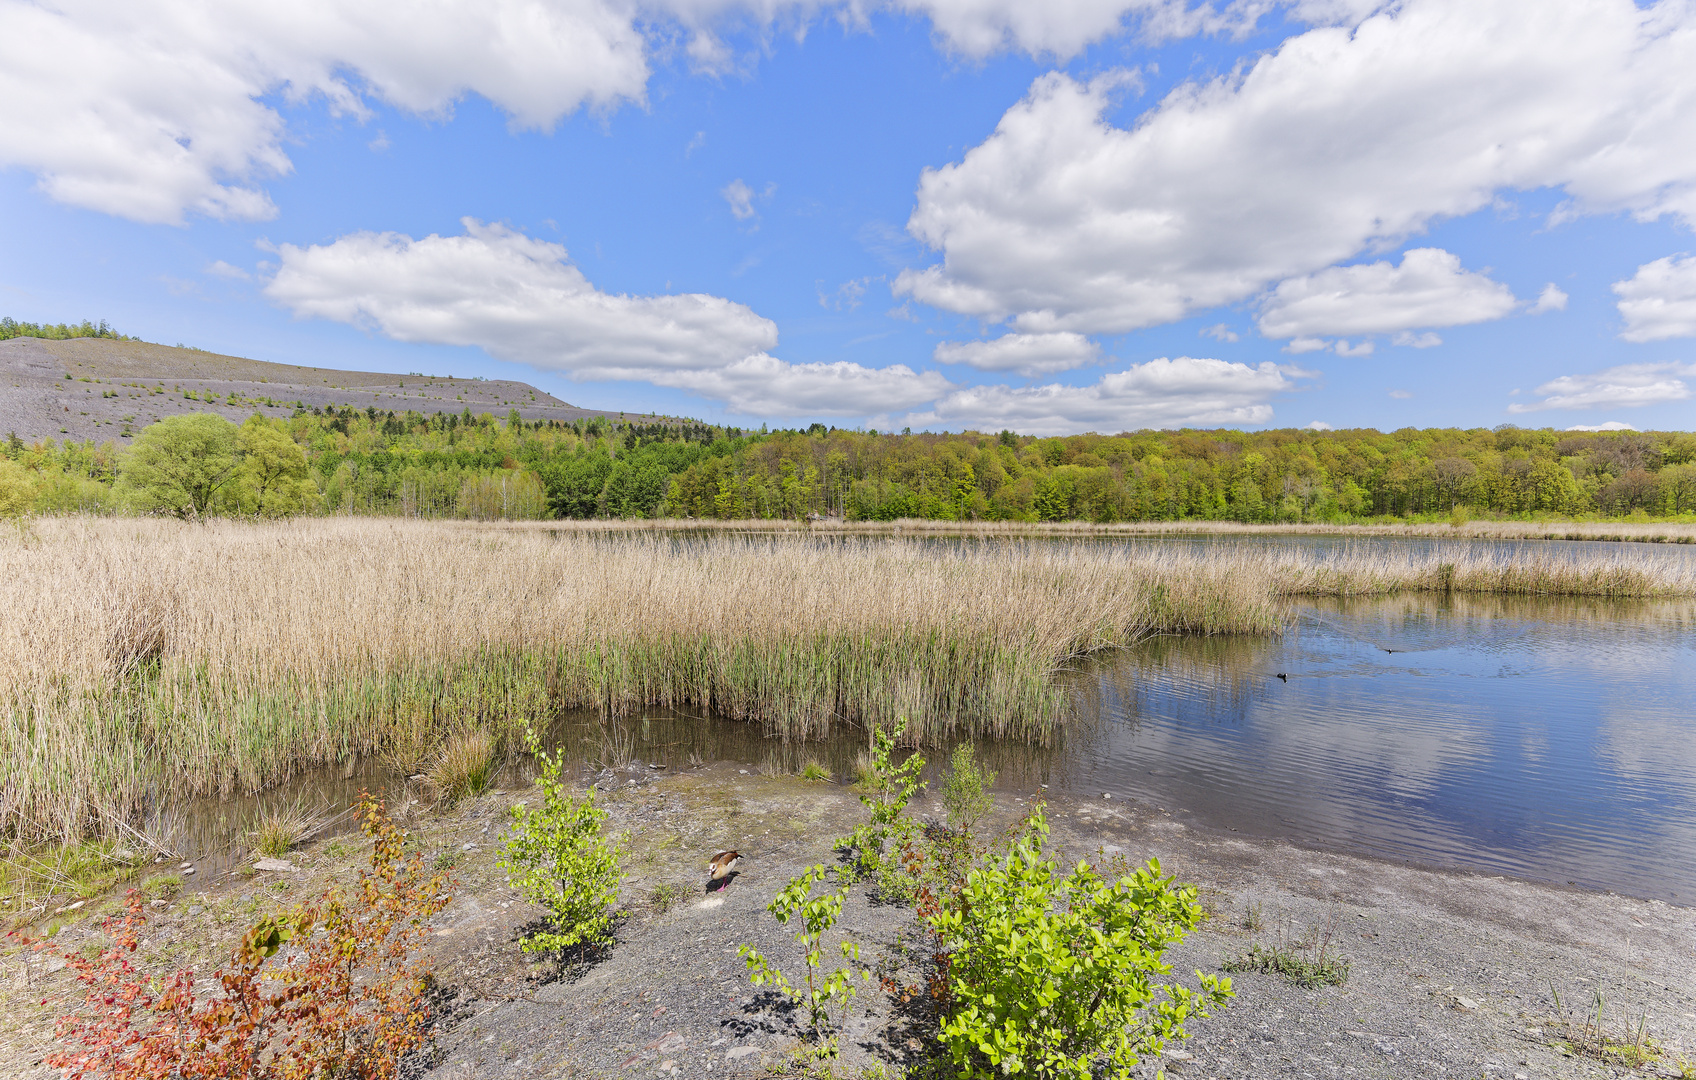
(1450, 974)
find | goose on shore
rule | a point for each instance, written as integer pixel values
(721, 865)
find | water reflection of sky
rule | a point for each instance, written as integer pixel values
(1554, 739)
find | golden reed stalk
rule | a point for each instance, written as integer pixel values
(141, 659)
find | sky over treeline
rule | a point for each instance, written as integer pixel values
(1075, 215)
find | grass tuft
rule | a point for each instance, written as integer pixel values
(279, 828)
(1301, 970)
(464, 765)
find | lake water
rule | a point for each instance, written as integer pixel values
(1546, 738)
(1552, 739)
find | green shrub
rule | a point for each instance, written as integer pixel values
(873, 848)
(1055, 978)
(965, 793)
(818, 914)
(557, 857)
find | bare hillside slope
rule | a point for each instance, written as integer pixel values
(116, 388)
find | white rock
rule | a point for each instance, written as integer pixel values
(1465, 1003)
(740, 1052)
(281, 866)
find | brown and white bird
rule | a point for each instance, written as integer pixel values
(720, 865)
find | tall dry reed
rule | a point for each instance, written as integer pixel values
(146, 658)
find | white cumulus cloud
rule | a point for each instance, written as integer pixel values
(1163, 393)
(1611, 425)
(1626, 386)
(149, 109)
(521, 299)
(1343, 139)
(1659, 301)
(155, 109)
(1027, 354)
(1429, 288)
(1552, 298)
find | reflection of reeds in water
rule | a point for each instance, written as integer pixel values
(139, 657)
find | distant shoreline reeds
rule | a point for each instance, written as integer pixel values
(145, 658)
(1614, 531)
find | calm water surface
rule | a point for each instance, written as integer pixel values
(1552, 739)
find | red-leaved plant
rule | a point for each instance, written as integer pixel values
(345, 999)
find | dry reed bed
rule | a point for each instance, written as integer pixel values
(142, 657)
(1625, 531)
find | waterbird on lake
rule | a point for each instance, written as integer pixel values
(1283, 677)
(720, 865)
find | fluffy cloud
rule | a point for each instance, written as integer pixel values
(1552, 298)
(1161, 393)
(1339, 141)
(1429, 288)
(520, 299)
(1626, 386)
(151, 109)
(1611, 425)
(1063, 28)
(1659, 301)
(1027, 354)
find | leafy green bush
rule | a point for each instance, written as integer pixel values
(818, 914)
(557, 857)
(1056, 978)
(965, 794)
(873, 847)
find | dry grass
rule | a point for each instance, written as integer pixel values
(1682, 531)
(464, 765)
(139, 658)
(279, 828)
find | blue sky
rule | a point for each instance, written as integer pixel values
(1069, 216)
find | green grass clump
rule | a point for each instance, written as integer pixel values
(162, 886)
(814, 770)
(1308, 971)
(464, 765)
(277, 829)
(666, 896)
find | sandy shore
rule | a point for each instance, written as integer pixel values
(1451, 974)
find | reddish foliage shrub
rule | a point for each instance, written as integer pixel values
(343, 999)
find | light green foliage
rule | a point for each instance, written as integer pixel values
(17, 492)
(814, 770)
(874, 847)
(557, 857)
(276, 480)
(818, 914)
(179, 464)
(965, 794)
(1056, 978)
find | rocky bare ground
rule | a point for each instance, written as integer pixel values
(1451, 974)
(122, 386)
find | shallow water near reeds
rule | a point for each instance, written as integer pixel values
(1553, 739)
(1547, 738)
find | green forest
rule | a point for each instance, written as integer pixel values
(344, 461)
(11, 328)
